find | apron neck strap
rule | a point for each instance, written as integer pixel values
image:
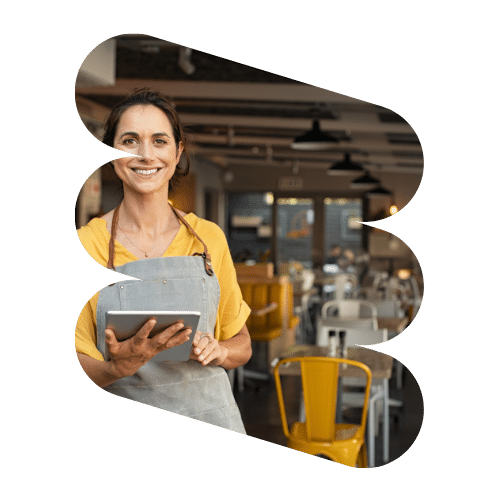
(206, 256)
(114, 224)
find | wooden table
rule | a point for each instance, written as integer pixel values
(394, 325)
(380, 364)
(381, 367)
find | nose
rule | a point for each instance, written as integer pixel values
(146, 151)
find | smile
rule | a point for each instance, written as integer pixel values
(145, 172)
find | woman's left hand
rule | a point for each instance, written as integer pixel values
(207, 350)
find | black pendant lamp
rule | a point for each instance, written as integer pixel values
(378, 192)
(345, 167)
(366, 181)
(314, 140)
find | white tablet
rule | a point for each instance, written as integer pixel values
(126, 324)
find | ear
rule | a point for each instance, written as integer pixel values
(180, 149)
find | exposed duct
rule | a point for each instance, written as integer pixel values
(185, 61)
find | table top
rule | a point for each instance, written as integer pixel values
(393, 324)
(380, 364)
(396, 325)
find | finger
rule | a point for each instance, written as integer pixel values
(144, 331)
(204, 341)
(218, 355)
(110, 339)
(196, 339)
(164, 335)
(179, 338)
(173, 335)
(208, 355)
(206, 351)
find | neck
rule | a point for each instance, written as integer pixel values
(145, 213)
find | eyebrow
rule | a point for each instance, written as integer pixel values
(135, 134)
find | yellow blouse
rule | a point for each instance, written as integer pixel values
(233, 311)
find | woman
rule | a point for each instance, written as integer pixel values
(182, 262)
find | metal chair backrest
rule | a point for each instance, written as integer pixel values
(348, 308)
(319, 385)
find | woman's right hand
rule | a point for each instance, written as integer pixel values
(128, 356)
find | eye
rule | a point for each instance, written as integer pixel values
(160, 141)
(128, 142)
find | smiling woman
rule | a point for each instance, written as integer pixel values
(145, 131)
(180, 262)
(142, 104)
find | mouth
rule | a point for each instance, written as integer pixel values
(149, 171)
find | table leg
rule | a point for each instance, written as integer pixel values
(386, 420)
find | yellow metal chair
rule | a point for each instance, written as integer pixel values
(319, 434)
(265, 323)
(272, 322)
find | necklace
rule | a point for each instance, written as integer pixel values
(140, 249)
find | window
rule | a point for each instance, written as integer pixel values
(250, 226)
(307, 227)
(343, 226)
(295, 230)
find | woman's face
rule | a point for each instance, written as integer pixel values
(146, 131)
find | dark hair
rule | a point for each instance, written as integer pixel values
(145, 97)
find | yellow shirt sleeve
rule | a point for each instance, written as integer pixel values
(85, 334)
(232, 312)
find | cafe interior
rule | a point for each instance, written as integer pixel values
(290, 172)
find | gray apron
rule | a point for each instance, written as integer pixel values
(187, 388)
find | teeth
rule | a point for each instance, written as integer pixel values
(146, 172)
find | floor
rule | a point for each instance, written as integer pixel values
(259, 409)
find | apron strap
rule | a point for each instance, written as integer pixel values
(114, 224)
(206, 256)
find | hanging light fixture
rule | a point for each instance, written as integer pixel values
(378, 192)
(366, 181)
(346, 166)
(314, 140)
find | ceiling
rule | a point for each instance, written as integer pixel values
(239, 116)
